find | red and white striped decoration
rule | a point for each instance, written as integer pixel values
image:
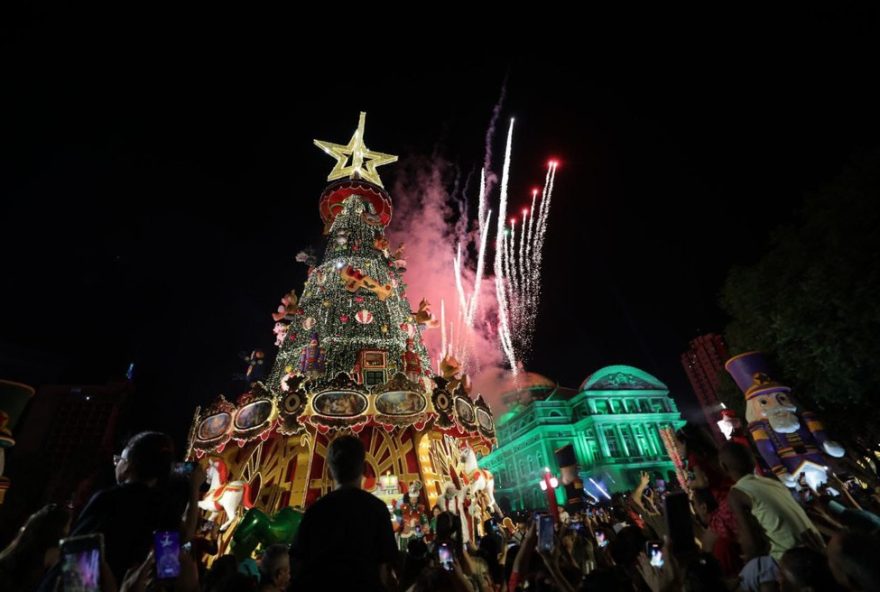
(364, 317)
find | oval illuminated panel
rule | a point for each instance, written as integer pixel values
(253, 415)
(214, 426)
(464, 410)
(400, 403)
(485, 420)
(339, 403)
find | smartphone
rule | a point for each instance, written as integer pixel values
(183, 468)
(654, 549)
(444, 554)
(600, 538)
(679, 524)
(166, 548)
(545, 532)
(81, 563)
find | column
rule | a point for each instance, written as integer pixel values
(600, 435)
(622, 441)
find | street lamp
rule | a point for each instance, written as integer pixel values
(548, 485)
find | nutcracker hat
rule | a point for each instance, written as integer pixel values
(753, 375)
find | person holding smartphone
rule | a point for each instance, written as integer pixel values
(129, 513)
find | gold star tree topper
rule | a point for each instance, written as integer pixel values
(363, 160)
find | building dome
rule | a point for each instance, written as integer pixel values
(620, 377)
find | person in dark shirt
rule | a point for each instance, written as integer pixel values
(345, 540)
(143, 501)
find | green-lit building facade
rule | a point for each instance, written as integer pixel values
(612, 420)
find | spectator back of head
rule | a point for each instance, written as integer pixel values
(346, 459)
(150, 455)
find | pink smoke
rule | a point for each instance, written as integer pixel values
(425, 222)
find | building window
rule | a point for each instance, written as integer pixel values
(615, 406)
(593, 448)
(659, 406)
(613, 444)
(628, 441)
(645, 407)
(374, 377)
(602, 407)
(642, 441)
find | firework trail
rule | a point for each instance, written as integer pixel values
(516, 268)
(522, 257)
(500, 279)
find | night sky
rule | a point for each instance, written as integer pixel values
(158, 175)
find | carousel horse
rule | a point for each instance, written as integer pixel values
(475, 479)
(223, 495)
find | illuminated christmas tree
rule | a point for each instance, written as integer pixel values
(350, 361)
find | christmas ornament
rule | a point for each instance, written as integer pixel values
(358, 152)
(308, 323)
(381, 244)
(384, 328)
(279, 331)
(409, 329)
(358, 299)
(343, 318)
(354, 279)
(364, 317)
(308, 257)
(287, 308)
(312, 359)
(327, 303)
(424, 316)
(412, 365)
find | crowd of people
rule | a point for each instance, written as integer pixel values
(738, 530)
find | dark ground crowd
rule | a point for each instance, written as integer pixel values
(732, 529)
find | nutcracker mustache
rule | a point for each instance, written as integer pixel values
(782, 419)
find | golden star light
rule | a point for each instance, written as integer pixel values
(363, 160)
